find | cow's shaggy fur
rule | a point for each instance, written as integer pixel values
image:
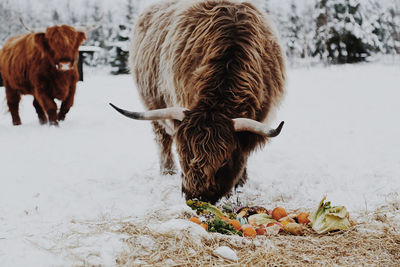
(43, 65)
(220, 60)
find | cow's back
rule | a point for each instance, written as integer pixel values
(178, 45)
(16, 57)
(147, 49)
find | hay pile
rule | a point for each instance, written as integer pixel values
(375, 240)
(167, 238)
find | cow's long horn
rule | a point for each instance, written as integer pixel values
(87, 28)
(90, 27)
(243, 124)
(40, 30)
(175, 113)
(23, 25)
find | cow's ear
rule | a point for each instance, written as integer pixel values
(81, 37)
(41, 42)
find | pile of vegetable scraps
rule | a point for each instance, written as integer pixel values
(253, 221)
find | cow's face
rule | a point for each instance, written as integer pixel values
(60, 45)
(209, 155)
(212, 147)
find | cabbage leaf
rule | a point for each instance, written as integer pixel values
(260, 219)
(328, 218)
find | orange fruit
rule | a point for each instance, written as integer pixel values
(272, 224)
(195, 220)
(235, 224)
(278, 213)
(248, 231)
(205, 226)
(303, 218)
(284, 223)
(261, 231)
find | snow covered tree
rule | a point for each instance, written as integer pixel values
(293, 38)
(96, 36)
(396, 25)
(344, 33)
(55, 17)
(337, 31)
(4, 17)
(296, 29)
(71, 14)
(119, 53)
(387, 27)
(94, 14)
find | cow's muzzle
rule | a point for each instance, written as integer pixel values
(65, 66)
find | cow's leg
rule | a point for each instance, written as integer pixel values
(242, 179)
(49, 106)
(13, 98)
(164, 141)
(67, 104)
(42, 116)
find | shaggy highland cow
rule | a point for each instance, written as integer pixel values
(210, 73)
(44, 65)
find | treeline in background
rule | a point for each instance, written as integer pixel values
(313, 31)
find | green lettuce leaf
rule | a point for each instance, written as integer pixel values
(201, 207)
(328, 218)
(260, 219)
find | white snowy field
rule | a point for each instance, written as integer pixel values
(341, 138)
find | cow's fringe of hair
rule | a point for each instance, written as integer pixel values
(206, 138)
(242, 73)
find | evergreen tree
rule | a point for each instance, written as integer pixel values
(308, 30)
(296, 29)
(396, 25)
(55, 17)
(71, 14)
(97, 35)
(293, 32)
(387, 29)
(4, 17)
(344, 34)
(337, 31)
(119, 53)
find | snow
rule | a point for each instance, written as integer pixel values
(89, 48)
(340, 139)
(178, 225)
(226, 253)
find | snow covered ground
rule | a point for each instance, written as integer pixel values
(341, 138)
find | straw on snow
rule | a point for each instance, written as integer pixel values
(375, 241)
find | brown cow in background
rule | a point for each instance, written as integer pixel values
(210, 73)
(44, 65)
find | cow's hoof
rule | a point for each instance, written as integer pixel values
(54, 123)
(168, 172)
(42, 122)
(16, 123)
(61, 117)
